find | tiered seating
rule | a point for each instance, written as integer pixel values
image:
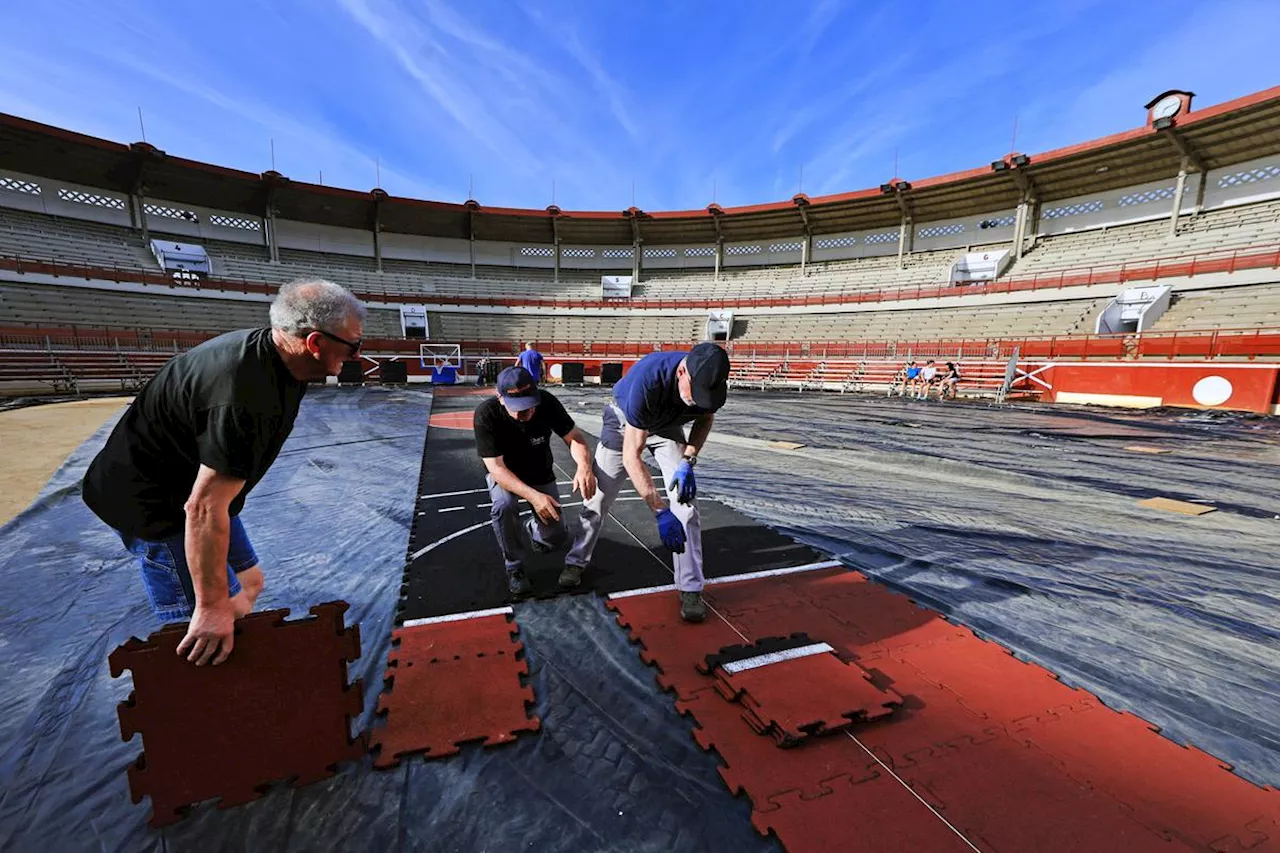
(71, 241)
(31, 367)
(924, 268)
(44, 305)
(565, 326)
(1218, 230)
(980, 377)
(752, 373)
(1243, 307)
(1015, 320)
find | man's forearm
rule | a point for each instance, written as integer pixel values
(699, 431)
(581, 454)
(643, 481)
(206, 539)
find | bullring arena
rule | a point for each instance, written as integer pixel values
(1041, 616)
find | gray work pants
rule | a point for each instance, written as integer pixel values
(504, 515)
(610, 477)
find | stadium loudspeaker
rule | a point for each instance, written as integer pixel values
(393, 373)
(352, 373)
(610, 372)
(571, 372)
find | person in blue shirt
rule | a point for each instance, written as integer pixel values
(531, 360)
(666, 403)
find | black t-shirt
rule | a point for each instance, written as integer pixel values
(229, 404)
(525, 446)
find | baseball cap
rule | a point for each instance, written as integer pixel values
(708, 367)
(518, 389)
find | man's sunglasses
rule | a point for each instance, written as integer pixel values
(354, 346)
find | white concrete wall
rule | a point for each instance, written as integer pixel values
(1241, 183)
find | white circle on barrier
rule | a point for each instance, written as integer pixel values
(1212, 391)
(555, 371)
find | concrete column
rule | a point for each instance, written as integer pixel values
(1177, 198)
(273, 245)
(1019, 226)
(806, 246)
(138, 211)
(557, 274)
(902, 239)
(637, 265)
(719, 259)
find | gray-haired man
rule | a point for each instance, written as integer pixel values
(172, 478)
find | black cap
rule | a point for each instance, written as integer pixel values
(518, 389)
(708, 367)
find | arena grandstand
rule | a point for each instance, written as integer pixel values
(1159, 243)
(1053, 608)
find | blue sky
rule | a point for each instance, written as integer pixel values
(683, 100)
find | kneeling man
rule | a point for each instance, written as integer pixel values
(513, 437)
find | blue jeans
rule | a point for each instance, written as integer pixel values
(167, 577)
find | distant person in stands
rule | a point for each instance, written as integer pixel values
(531, 360)
(666, 403)
(899, 382)
(912, 378)
(174, 474)
(950, 380)
(513, 437)
(928, 378)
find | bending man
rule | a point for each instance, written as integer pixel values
(666, 403)
(513, 437)
(174, 474)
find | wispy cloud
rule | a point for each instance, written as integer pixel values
(688, 101)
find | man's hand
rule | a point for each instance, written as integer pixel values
(210, 634)
(671, 531)
(584, 482)
(546, 507)
(683, 482)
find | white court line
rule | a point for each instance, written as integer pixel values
(456, 617)
(775, 657)
(450, 508)
(807, 567)
(436, 544)
(451, 494)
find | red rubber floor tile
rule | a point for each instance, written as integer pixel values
(989, 680)
(671, 645)
(878, 815)
(1008, 796)
(434, 701)
(278, 708)
(478, 635)
(1181, 792)
(756, 767)
(809, 696)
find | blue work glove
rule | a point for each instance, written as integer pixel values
(684, 482)
(671, 531)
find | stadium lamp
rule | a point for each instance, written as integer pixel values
(902, 186)
(1021, 160)
(886, 188)
(999, 166)
(1163, 123)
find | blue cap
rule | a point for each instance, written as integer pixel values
(518, 389)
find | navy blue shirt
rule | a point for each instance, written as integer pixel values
(649, 395)
(531, 360)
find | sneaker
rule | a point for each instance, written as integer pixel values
(570, 577)
(518, 582)
(692, 607)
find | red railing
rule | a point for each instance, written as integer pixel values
(1208, 344)
(1254, 257)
